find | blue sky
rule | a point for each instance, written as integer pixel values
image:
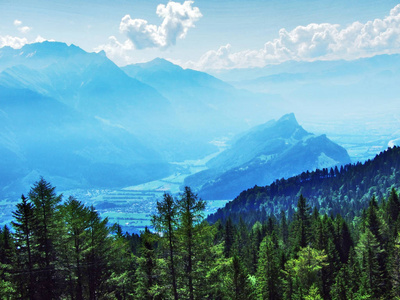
(208, 34)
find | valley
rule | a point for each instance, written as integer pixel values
(119, 137)
(132, 207)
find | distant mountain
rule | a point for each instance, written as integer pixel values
(87, 82)
(329, 87)
(377, 64)
(94, 86)
(273, 150)
(42, 136)
(354, 102)
(204, 104)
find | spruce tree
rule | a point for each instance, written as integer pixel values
(46, 235)
(268, 270)
(191, 213)
(24, 223)
(165, 222)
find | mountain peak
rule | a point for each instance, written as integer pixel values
(160, 64)
(289, 118)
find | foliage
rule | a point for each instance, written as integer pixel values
(64, 250)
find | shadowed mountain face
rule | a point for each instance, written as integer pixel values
(45, 137)
(273, 150)
(77, 119)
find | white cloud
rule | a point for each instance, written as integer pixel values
(17, 23)
(12, 41)
(22, 29)
(177, 20)
(17, 42)
(116, 51)
(313, 42)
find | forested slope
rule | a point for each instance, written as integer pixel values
(342, 190)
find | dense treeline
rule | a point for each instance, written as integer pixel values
(61, 249)
(65, 251)
(345, 190)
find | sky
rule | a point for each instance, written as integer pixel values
(208, 34)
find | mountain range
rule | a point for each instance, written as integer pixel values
(269, 151)
(85, 121)
(81, 121)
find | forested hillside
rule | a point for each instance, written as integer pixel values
(62, 249)
(345, 190)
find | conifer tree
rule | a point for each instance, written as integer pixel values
(229, 235)
(97, 254)
(165, 221)
(76, 243)
(393, 210)
(146, 275)
(368, 250)
(46, 235)
(7, 259)
(301, 225)
(191, 210)
(268, 270)
(395, 268)
(24, 223)
(240, 284)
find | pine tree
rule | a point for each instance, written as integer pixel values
(240, 284)
(47, 235)
(165, 221)
(268, 270)
(395, 268)
(303, 273)
(392, 211)
(97, 254)
(75, 242)
(368, 250)
(191, 210)
(229, 234)
(7, 259)
(24, 223)
(301, 225)
(146, 272)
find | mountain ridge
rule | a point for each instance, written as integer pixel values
(272, 150)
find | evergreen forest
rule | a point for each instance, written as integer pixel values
(327, 234)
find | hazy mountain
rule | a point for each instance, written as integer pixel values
(335, 88)
(267, 152)
(205, 104)
(354, 102)
(93, 85)
(88, 82)
(43, 136)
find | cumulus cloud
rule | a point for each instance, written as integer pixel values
(12, 41)
(117, 51)
(177, 19)
(17, 42)
(314, 42)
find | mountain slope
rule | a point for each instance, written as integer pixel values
(94, 86)
(273, 150)
(88, 82)
(204, 103)
(346, 190)
(49, 138)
